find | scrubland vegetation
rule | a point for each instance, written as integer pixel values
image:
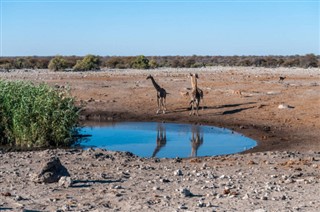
(94, 62)
(36, 115)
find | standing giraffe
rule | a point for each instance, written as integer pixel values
(196, 94)
(161, 95)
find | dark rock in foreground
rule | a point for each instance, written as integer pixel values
(51, 171)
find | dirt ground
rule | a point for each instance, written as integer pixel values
(281, 174)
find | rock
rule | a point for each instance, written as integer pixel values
(50, 171)
(18, 198)
(183, 207)
(164, 180)
(65, 182)
(246, 196)
(201, 204)
(177, 172)
(285, 106)
(155, 188)
(185, 192)
(260, 210)
(117, 187)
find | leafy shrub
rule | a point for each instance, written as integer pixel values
(153, 64)
(309, 60)
(89, 62)
(113, 62)
(6, 67)
(57, 64)
(36, 116)
(140, 62)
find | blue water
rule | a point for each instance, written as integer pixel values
(152, 139)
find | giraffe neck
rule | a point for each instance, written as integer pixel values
(156, 86)
(194, 83)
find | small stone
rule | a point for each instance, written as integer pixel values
(285, 106)
(283, 197)
(288, 181)
(246, 196)
(18, 198)
(260, 210)
(201, 204)
(177, 172)
(183, 207)
(164, 180)
(185, 192)
(65, 182)
(264, 198)
(156, 188)
(117, 187)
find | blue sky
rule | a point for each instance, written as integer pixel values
(159, 27)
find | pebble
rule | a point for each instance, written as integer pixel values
(183, 207)
(185, 192)
(260, 210)
(201, 204)
(177, 172)
(156, 188)
(65, 182)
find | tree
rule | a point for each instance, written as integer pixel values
(309, 60)
(140, 62)
(89, 62)
(58, 63)
(153, 64)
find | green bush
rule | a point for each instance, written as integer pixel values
(140, 62)
(153, 64)
(57, 64)
(89, 62)
(36, 116)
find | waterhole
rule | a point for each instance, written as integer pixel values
(166, 140)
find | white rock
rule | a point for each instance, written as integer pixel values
(284, 106)
(65, 181)
(177, 172)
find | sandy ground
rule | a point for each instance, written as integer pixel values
(281, 174)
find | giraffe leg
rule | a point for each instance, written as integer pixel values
(164, 106)
(191, 102)
(202, 103)
(158, 102)
(197, 108)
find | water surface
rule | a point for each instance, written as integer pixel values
(152, 139)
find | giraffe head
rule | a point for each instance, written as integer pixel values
(193, 75)
(149, 76)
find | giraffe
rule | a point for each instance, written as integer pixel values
(161, 95)
(161, 139)
(196, 94)
(196, 140)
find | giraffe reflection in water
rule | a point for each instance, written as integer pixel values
(196, 140)
(161, 139)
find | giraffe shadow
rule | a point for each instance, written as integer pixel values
(88, 183)
(228, 105)
(179, 110)
(229, 112)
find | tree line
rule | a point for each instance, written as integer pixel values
(95, 62)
